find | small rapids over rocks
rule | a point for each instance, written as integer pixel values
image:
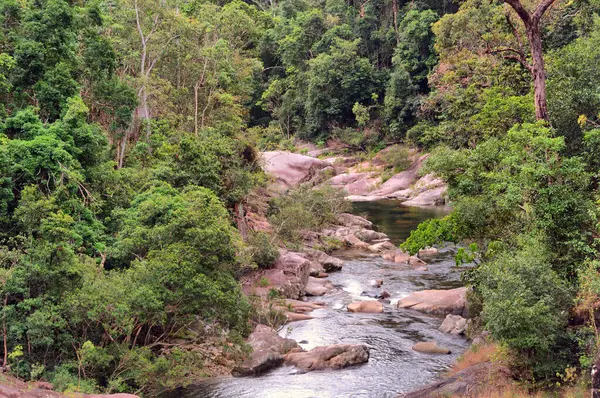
(393, 366)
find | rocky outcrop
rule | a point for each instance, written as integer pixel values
(405, 186)
(369, 307)
(431, 197)
(350, 220)
(327, 262)
(382, 247)
(430, 347)
(289, 274)
(268, 349)
(369, 236)
(439, 302)
(318, 287)
(453, 324)
(329, 357)
(470, 382)
(356, 232)
(356, 183)
(291, 169)
(400, 181)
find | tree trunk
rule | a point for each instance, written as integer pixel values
(531, 21)
(538, 71)
(395, 12)
(196, 109)
(240, 220)
(4, 333)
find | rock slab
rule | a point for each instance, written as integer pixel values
(430, 347)
(291, 169)
(268, 349)
(318, 286)
(329, 357)
(368, 307)
(439, 302)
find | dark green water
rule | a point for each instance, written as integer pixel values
(395, 220)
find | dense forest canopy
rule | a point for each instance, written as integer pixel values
(130, 132)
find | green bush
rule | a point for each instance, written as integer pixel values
(429, 233)
(525, 303)
(397, 157)
(264, 253)
(305, 209)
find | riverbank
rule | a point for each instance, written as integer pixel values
(345, 313)
(362, 177)
(393, 366)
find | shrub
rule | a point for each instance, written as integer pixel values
(525, 303)
(305, 209)
(397, 157)
(262, 250)
(429, 233)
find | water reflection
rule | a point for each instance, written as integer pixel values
(396, 220)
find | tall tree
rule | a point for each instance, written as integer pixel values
(531, 21)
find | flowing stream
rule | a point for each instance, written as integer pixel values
(393, 366)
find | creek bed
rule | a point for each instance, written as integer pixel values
(393, 366)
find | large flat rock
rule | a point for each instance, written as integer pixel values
(400, 181)
(329, 357)
(439, 302)
(291, 169)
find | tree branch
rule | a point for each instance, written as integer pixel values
(518, 56)
(520, 10)
(540, 10)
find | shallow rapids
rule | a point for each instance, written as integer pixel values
(393, 366)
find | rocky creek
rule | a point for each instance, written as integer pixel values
(393, 366)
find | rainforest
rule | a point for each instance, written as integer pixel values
(180, 179)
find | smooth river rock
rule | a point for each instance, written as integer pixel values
(380, 247)
(430, 347)
(327, 262)
(453, 324)
(303, 306)
(369, 307)
(268, 349)
(416, 261)
(351, 220)
(429, 252)
(329, 357)
(368, 235)
(439, 302)
(318, 287)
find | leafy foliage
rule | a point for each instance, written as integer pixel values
(305, 209)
